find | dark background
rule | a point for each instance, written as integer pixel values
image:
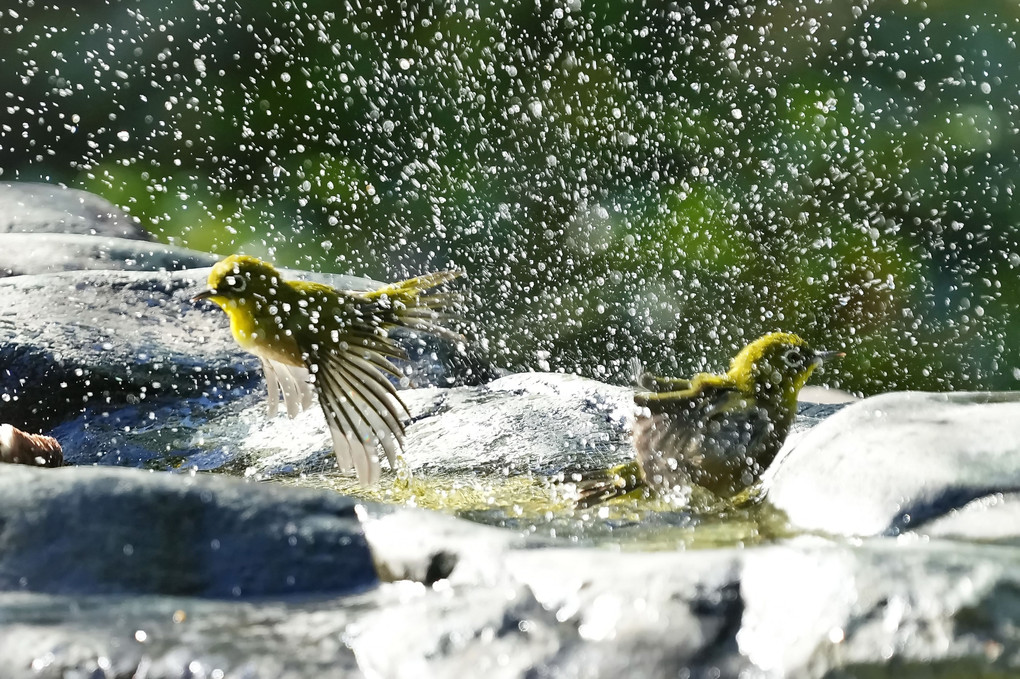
(659, 180)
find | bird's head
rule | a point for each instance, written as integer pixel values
(777, 365)
(240, 280)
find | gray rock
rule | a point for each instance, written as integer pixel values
(100, 530)
(893, 462)
(201, 433)
(35, 253)
(75, 340)
(514, 425)
(425, 547)
(507, 608)
(881, 609)
(991, 518)
(531, 423)
(807, 608)
(497, 605)
(156, 637)
(46, 208)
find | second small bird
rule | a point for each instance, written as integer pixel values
(314, 336)
(718, 432)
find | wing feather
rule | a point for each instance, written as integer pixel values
(357, 446)
(653, 383)
(355, 393)
(364, 336)
(669, 436)
(597, 486)
(302, 378)
(272, 386)
(385, 420)
(353, 368)
(291, 389)
(385, 399)
(342, 447)
(292, 381)
(374, 350)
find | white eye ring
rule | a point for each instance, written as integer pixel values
(793, 357)
(235, 283)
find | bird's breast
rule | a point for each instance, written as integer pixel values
(264, 334)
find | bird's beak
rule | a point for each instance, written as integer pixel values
(205, 294)
(825, 356)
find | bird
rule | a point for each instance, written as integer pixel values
(316, 339)
(715, 431)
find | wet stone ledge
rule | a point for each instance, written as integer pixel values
(214, 564)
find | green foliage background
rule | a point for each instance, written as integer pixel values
(659, 180)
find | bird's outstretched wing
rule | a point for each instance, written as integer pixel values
(361, 405)
(354, 372)
(352, 376)
(405, 305)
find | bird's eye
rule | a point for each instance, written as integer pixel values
(235, 283)
(793, 358)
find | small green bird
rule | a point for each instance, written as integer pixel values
(312, 336)
(719, 432)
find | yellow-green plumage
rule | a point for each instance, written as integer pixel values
(719, 432)
(314, 337)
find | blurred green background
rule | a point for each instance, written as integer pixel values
(655, 180)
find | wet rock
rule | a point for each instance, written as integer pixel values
(198, 432)
(893, 463)
(47, 636)
(511, 606)
(418, 545)
(809, 607)
(101, 530)
(498, 605)
(27, 207)
(531, 423)
(820, 609)
(37, 253)
(991, 518)
(514, 425)
(76, 340)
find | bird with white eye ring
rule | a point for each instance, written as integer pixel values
(317, 339)
(717, 432)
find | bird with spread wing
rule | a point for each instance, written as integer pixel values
(313, 338)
